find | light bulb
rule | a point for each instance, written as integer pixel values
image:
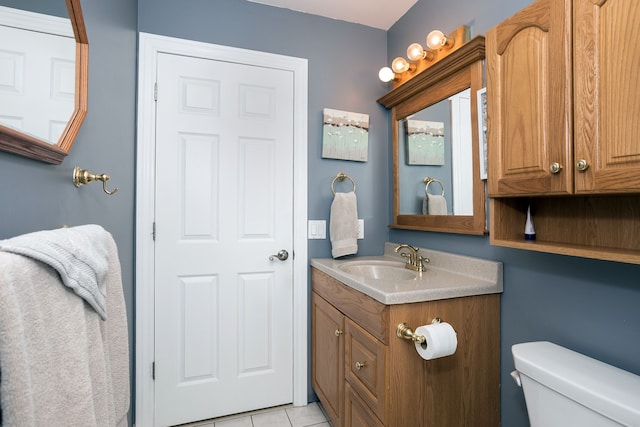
(436, 39)
(386, 74)
(399, 65)
(415, 52)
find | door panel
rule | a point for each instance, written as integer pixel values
(224, 204)
(529, 104)
(606, 116)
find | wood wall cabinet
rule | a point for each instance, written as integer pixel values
(562, 102)
(365, 376)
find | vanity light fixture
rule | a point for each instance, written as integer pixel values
(439, 45)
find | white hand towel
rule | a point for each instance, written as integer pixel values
(343, 224)
(434, 204)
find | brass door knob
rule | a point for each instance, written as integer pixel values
(555, 167)
(582, 165)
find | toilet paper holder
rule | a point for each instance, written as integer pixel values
(404, 331)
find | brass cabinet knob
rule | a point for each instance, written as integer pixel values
(582, 165)
(555, 167)
(338, 332)
(360, 365)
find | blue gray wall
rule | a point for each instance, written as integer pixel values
(590, 306)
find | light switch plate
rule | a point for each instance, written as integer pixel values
(317, 229)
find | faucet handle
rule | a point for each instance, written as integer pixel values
(420, 262)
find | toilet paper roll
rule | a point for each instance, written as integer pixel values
(441, 340)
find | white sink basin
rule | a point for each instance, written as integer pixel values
(381, 270)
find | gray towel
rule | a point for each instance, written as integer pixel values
(343, 224)
(78, 254)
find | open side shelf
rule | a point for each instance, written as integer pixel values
(599, 227)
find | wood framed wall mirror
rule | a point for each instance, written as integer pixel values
(44, 60)
(438, 107)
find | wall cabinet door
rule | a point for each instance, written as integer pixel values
(529, 101)
(327, 374)
(607, 95)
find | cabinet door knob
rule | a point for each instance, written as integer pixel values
(582, 165)
(555, 167)
(360, 365)
(338, 332)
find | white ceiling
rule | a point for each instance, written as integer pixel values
(373, 13)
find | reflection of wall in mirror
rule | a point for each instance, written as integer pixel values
(38, 73)
(411, 177)
(47, 7)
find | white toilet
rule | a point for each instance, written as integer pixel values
(563, 388)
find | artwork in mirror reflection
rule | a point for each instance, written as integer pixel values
(345, 135)
(425, 142)
(37, 72)
(448, 128)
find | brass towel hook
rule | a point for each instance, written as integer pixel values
(83, 176)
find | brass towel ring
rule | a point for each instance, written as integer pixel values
(341, 177)
(428, 180)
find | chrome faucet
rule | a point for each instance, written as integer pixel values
(415, 262)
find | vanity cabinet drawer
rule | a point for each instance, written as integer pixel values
(366, 367)
(372, 315)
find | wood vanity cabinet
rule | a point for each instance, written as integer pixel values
(563, 128)
(365, 376)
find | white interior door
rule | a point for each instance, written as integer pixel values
(224, 205)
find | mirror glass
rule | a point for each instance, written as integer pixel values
(436, 143)
(436, 166)
(43, 55)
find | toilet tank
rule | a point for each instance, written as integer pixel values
(563, 388)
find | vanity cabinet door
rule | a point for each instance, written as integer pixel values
(607, 96)
(357, 413)
(327, 375)
(529, 102)
(366, 368)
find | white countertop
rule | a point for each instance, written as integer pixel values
(447, 276)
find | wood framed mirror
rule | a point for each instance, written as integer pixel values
(453, 80)
(45, 96)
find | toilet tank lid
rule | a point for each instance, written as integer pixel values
(603, 388)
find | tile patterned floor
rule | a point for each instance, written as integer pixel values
(311, 415)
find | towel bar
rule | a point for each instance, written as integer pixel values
(341, 177)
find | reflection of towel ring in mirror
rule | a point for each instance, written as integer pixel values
(428, 180)
(341, 177)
